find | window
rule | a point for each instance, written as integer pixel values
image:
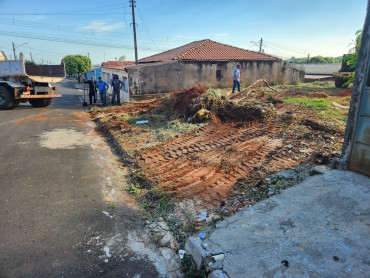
(219, 71)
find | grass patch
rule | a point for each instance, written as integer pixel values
(336, 118)
(318, 86)
(311, 103)
(156, 204)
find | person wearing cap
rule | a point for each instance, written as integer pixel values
(236, 78)
(117, 86)
(103, 87)
(92, 89)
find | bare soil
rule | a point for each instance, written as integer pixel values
(238, 143)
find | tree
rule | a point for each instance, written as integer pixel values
(314, 60)
(77, 64)
(352, 57)
(28, 62)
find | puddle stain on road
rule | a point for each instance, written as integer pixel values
(39, 119)
(64, 139)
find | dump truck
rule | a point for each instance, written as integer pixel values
(21, 83)
(342, 76)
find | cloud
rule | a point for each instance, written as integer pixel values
(103, 26)
(221, 35)
(39, 17)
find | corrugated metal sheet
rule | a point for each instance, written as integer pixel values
(360, 153)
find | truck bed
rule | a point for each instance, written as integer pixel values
(39, 73)
(46, 73)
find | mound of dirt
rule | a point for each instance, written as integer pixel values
(344, 93)
(227, 110)
(115, 123)
(130, 109)
(184, 98)
(318, 95)
(179, 101)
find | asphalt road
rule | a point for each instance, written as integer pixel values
(57, 178)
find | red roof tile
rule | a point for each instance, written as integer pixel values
(207, 50)
(112, 63)
(120, 67)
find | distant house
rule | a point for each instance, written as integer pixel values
(96, 72)
(209, 63)
(319, 71)
(110, 64)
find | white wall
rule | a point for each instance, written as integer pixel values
(123, 76)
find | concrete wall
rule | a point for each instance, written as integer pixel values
(358, 86)
(175, 75)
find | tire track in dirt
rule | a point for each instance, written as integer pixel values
(205, 165)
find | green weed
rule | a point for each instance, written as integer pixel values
(112, 206)
(312, 103)
(189, 268)
(133, 188)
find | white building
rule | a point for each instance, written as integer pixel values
(110, 68)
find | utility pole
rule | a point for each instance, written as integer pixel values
(261, 45)
(32, 58)
(308, 58)
(134, 26)
(88, 56)
(42, 61)
(15, 56)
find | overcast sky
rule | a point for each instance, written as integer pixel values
(53, 29)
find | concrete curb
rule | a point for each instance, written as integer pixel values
(316, 228)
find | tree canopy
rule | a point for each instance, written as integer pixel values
(77, 64)
(314, 60)
(352, 57)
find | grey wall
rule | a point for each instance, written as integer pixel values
(175, 75)
(358, 85)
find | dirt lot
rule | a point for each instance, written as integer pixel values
(213, 150)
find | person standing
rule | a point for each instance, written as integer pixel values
(92, 89)
(117, 86)
(236, 78)
(103, 87)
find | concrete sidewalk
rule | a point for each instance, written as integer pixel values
(318, 228)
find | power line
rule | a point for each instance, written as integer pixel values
(67, 40)
(69, 14)
(146, 29)
(55, 27)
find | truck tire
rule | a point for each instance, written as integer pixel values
(6, 98)
(340, 81)
(16, 103)
(41, 102)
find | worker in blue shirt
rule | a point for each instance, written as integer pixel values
(117, 86)
(236, 78)
(103, 87)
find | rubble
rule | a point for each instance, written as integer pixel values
(319, 170)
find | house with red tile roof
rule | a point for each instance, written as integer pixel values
(208, 62)
(110, 63)
(208, 50)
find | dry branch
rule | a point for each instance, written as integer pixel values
(255, 84)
